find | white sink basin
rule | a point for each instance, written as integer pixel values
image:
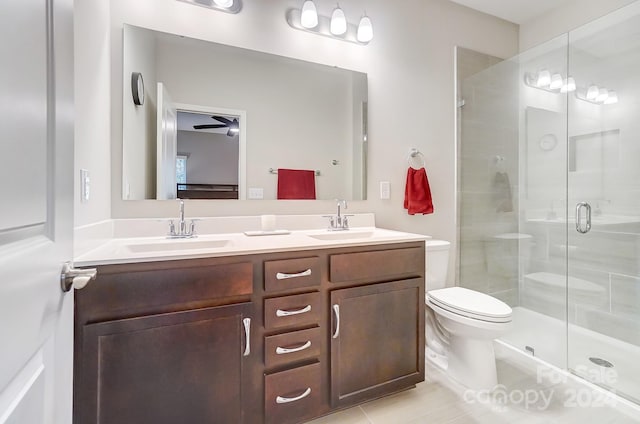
(343, 235)
(173, 245)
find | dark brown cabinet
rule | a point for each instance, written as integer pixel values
(377, 340)
(169, 368)
(281, 337)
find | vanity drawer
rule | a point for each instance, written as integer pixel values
(291, 273)
(291, 347)
(287, 311)
(293, 395)
(378, 265)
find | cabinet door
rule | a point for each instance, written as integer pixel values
(181, 367)
(377, 341)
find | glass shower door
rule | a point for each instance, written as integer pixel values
(603, 162)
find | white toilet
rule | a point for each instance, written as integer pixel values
(461, 324)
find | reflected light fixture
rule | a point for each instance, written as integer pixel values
(338, 22)
(544, 79)
(603, 95)
(592, 93)
(569, 85)
(309, 16)
(365, 30)
(612, 98)
(556, 82)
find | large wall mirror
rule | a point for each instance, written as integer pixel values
(210, 121)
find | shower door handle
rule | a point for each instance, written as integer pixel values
(587, 226)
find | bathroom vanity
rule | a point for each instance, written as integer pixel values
(282, 331)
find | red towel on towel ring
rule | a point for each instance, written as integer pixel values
(417, 194)
(296, 184)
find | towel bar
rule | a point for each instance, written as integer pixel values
(275, 171)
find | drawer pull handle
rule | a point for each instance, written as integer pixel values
(282, 313)
(283, 276)
(284, 350)
(336, 311)
(280, 399)
(247, 340)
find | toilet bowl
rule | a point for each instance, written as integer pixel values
(461, 324)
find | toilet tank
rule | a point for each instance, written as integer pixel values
(437, 263)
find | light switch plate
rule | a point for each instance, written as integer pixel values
(256, 193)
(85, 186)
(385, 190)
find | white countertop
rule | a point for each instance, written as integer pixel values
(151, 249)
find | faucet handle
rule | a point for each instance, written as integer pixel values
(172, 228)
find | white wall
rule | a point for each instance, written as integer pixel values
(411, 89)
(92, 108)
(139, 121)
(565, 18)
(213, 158)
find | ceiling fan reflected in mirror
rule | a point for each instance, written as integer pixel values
(232, 125)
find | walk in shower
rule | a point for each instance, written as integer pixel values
(549, 195)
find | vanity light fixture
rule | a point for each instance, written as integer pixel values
(228, 6)
(337, 27)
(338, 21)
(597, 95)
(556, 82)
(553, 83)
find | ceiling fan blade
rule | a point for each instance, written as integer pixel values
(208, 126)
(222, 119)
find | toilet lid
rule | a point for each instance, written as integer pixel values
(471, 303)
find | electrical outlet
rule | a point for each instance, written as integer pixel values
(256, 193)
(385, 190)
(85, 186)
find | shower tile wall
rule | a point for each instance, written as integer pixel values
(488, 134)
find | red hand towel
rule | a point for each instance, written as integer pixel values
(296, 184)
(417, 194)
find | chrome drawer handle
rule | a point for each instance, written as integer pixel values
(282, 313)
(280, 399)
(284, 350)
(336, 311)
(247, 340)
(283, 276)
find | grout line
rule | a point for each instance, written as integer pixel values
(365, 415)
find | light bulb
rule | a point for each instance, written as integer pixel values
(603, 95)
(544, 79)
(365, 30)
(309, 16)
(613, 98)
(338, 22)
(569, 85)
(223, 3)
(592, 92)
(556, 82)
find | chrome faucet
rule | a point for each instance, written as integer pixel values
(339, 222)
(182, 232)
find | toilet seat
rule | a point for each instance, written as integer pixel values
(471, 304)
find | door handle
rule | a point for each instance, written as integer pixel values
(247, 336)
(336, 312)
(75, 277)
(283, 313)
(284, 276)
(579, 227)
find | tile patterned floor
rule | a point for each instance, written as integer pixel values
(439, 400)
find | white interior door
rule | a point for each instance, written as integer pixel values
(167, 145)
(36, 216)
